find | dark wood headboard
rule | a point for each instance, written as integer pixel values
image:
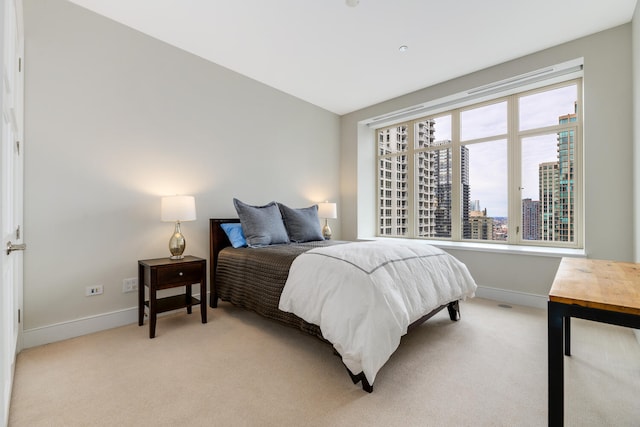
(218, 240)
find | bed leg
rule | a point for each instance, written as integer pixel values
(454, 310)
(366, 386)
(213, 300)
(360, 377)
(354, 378)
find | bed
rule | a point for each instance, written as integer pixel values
(255, 279)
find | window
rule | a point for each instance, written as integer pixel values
(505, 170)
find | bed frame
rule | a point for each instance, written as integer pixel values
(218, 240)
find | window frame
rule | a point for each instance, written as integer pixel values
(514, 138)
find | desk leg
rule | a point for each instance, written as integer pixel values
(567, 335)
(556, 363)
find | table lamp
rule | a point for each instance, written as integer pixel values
(177, 208)
(327, 210)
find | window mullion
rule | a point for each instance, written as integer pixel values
(456, 185)
(578, 174)
(514, 172)
(411, 187)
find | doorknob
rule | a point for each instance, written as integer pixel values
(11, 247)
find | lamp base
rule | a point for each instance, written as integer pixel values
(326, 231)
(177, 243)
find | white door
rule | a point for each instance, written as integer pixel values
(11, 185)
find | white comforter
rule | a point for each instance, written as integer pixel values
(364, 295)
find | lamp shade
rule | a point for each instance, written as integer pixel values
(327, 210)
(178, 208)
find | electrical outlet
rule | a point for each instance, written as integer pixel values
(130, 284)
(93, 290)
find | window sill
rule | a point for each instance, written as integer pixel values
(498, 248)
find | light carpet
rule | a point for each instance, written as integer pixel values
(488, 369)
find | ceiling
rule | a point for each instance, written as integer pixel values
(344, 58)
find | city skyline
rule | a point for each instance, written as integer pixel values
(488, 170)
(484, 164)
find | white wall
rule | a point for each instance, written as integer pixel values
(636, 132)
(608, 142)
(116, 119)
(636, 126)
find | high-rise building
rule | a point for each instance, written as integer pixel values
(556, 188)
(480, 225)
(443, 173)
(466, 191)
(531, 219)
(433, 178)
(547, 184)
(564, 211)
(393, 182)
(426, 178)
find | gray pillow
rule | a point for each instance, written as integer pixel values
(262, 225)
(302, 224)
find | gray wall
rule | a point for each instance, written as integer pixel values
(608, 153)
(114, 121)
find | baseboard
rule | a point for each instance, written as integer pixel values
(78, 327)
(100, 322)
(86, 325)
(512, 297)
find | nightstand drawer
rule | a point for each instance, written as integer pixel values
(180, 273)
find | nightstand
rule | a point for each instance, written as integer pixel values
(165, 273)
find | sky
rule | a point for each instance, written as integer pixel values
(488, 160)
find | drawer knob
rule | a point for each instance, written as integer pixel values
(180, 273)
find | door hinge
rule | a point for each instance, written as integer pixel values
(18, 233)
(18, 147)
(19, 65)
(18, 315)
(517, 229)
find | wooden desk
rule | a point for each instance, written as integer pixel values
(602, 291)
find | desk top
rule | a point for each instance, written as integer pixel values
(605, 285)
